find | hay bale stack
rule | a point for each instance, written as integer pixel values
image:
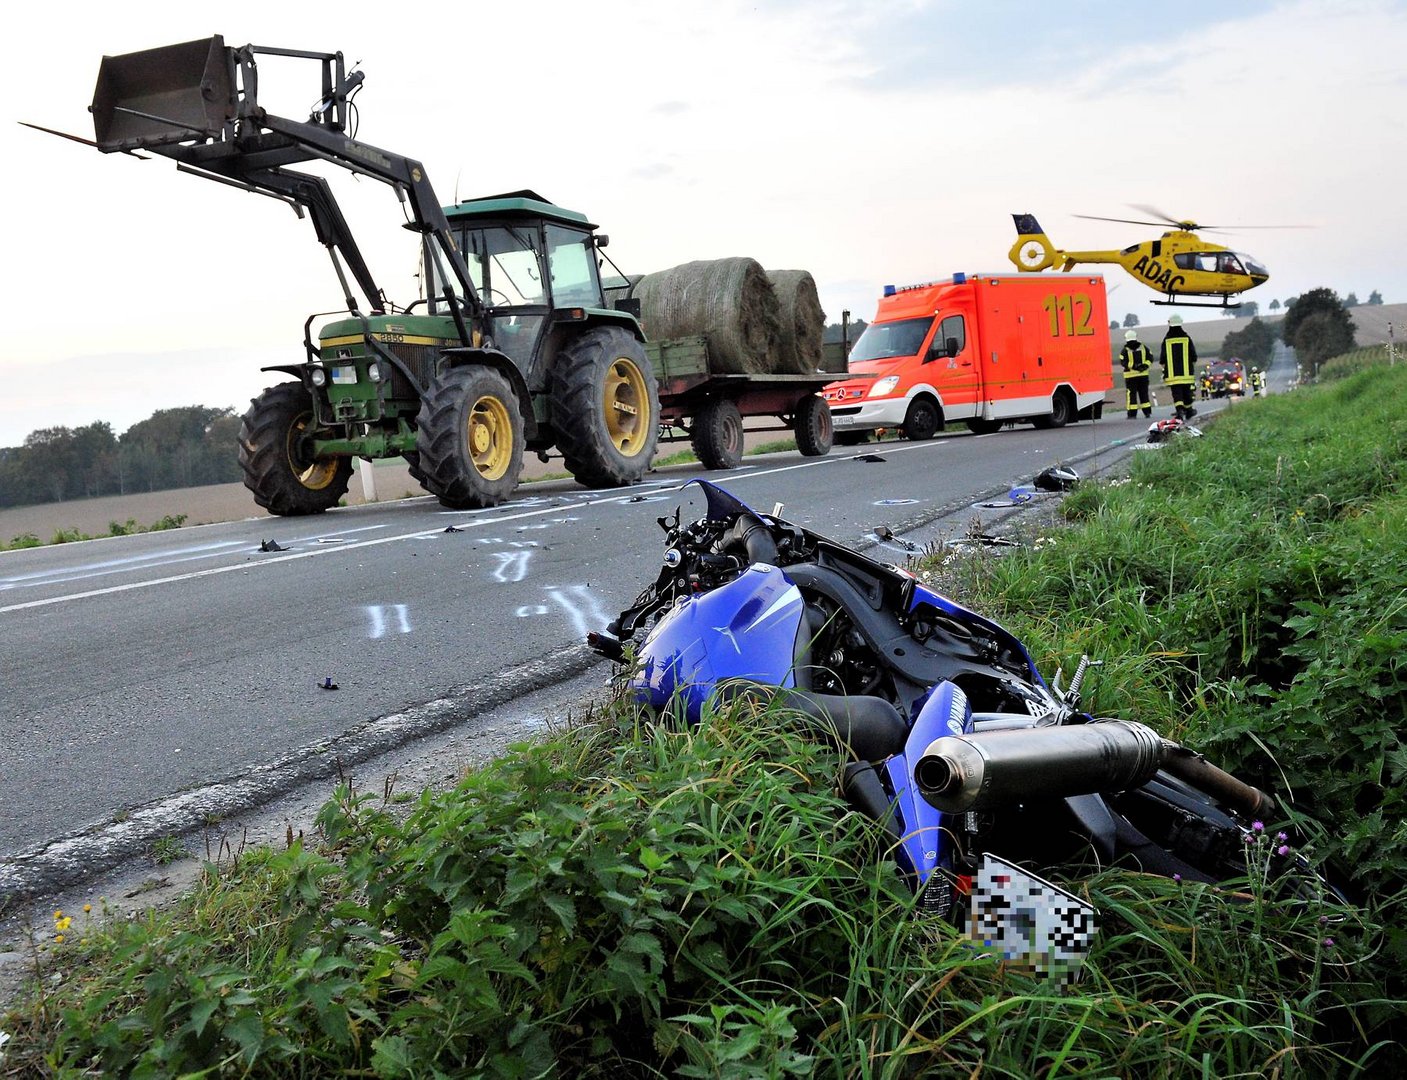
(729, 300)
(803, 324)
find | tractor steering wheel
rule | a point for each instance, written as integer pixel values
(493, 293)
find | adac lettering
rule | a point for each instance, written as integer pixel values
(1155, 274)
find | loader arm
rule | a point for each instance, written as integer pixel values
(197, 103)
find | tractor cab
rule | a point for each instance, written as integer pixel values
(535, 268)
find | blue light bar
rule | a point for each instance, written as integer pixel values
(889, 290)
(959, 279)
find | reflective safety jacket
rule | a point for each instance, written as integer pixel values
(1135, 358)
(1178, 357)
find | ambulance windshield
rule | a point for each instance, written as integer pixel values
(880, 341)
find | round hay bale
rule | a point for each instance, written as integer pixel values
(728, 300)
(803, 321)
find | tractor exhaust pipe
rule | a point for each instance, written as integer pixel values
(999, 768)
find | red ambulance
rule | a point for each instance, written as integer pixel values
(986, 349)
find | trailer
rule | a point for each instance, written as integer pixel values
(708, 407)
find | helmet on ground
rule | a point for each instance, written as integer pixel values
(1175, 320)
(1130, 335)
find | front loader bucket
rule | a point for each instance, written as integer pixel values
(168, 95)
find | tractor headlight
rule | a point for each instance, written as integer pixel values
(317, 376)
(374, 373)
(884, 386)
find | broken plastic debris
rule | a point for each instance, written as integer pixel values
(453, 528)
(867, 457)
(327, 683)
(1057, 478)
(272, 545)
(885, 533)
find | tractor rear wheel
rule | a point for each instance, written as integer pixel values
(718, 435)
(469, 440)
(605, 407)
(284, 478)
(813, 426)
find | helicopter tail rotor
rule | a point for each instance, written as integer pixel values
(1033, 250)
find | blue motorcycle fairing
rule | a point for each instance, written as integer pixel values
(722, 504)
(746, 629)
(945, 712)
(923, 594)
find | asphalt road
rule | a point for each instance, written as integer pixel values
(148, 680)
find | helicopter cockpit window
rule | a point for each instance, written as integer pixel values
(881, 341)
(1253, 265)
(1227, 263)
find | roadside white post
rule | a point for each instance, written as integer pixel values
(368, 473)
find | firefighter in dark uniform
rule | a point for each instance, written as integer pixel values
(1179, 359)
(1135, 359)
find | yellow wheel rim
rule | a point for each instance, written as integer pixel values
(490, 437)
(627, 407)
(315, 475)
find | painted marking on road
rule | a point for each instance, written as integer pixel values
(512, 565)
(527, 611)
(424, 534)
(117, 566)
(581, 606)
(379, 621)
(897, 502)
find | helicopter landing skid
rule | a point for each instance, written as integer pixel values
(1197, 303)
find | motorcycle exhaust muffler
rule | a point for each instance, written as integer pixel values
(1000, 768)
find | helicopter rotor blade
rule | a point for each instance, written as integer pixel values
(1122, 221)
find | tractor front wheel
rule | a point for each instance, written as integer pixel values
(605, 407)
(469, 438)
(278, 469)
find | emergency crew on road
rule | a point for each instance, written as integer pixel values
(1257, 382)
(1135, 359)
(1178, 357)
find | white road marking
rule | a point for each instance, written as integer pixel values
(377, 613)
(422, 534)
(512, 565)
(585, 617)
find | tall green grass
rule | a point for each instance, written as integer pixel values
(634, 900)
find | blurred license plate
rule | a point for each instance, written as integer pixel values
(344, 374)
(842, 421)
(1027, 921)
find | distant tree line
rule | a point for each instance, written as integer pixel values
(1316, 325)
(833, 330)
(172, 448)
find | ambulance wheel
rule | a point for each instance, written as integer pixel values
(922, 421)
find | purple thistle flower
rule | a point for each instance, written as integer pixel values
(1258, 826)
(1282, 850)
(1328, 943)
(1177, 878)
(1323, 920)
(1281, 837)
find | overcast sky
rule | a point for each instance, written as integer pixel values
(868, 143)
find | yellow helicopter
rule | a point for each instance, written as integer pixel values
(1177, 264)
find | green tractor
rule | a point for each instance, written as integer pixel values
(513, 346)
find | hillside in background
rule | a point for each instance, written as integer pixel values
(1370, 323)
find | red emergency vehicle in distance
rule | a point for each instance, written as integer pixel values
(986, 349)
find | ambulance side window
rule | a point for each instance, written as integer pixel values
(952, 329)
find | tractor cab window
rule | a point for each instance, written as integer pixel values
(437, 274)
(505, 265)
(881, 341)
(571, 259)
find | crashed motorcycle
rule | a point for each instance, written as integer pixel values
(956, 743)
